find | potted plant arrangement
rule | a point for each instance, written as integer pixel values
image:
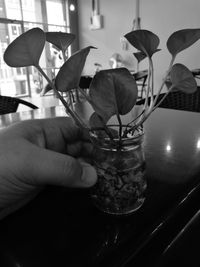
(118, 153)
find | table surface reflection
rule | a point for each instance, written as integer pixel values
(61, 227)
(41, 113)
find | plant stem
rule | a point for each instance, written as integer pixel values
(154, 105)
(69, 92)
(106, 129)
(148, 88)
(162, 99)
(120, 126)
(126, 131)
(164, 80)
(149, 93)
(64, 56)
(152, 83)
(75, 116)
(87, 97)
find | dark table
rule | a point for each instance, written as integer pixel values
(61, 227)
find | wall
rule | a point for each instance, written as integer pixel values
(117, 20)
(160, 16)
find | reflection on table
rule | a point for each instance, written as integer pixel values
(40, 113)
(49, 112)
(61, 227)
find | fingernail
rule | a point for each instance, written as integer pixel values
(89, 175)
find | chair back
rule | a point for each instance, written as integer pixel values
(179, 100)
(10, 104)
(141, 78)
(85, 82)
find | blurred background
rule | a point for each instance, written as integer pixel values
(100, 23)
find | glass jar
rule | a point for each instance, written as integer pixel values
(121, 184)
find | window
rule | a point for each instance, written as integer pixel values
(49, 15)
(14, 30)
(55, 13)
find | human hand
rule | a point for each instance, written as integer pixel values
(39, 152)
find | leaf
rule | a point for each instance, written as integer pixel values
(61, 40)
(26, 49)
(143, 40)
(183, 79)
(47, 88)
(181, 40)
(97, 121)
(113, 91)
(140, 55)
(69, 74)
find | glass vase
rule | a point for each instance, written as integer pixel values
(121, 184)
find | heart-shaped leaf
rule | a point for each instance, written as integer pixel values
(181, 40)
(113, 91)
(69, 74)
(60, 39)
(143, 40)
(47, 88)
(140, 55)
(26, 49)
(182, 78)
(96, 122)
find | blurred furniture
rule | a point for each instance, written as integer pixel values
(141, 79)
(73, 95)
(61, 227)
(10, 104)
(179, 100)
(195, 73)
(85, 82)
(116, 61)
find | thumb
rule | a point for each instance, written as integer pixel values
(49, 167)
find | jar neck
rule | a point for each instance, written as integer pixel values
(117, 143)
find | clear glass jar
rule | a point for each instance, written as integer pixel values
(121, 184)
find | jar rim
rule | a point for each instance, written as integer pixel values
(138, 132)
(114, 143)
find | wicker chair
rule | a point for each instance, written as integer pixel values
(179, 100)
(141, 78)
(10, 104)
(85, 82)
